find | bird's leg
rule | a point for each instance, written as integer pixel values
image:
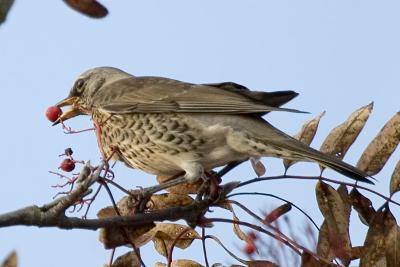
(193, 171)
(144, 194)
(175, 180)
(210, 188)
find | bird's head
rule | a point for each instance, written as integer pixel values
(84, 89)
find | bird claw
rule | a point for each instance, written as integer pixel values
(210, 187)
(140, 198)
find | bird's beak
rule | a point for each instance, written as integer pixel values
(72, 112)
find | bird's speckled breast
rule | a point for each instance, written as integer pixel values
(147, 141)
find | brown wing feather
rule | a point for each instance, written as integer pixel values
(274, 99)
(156, 95)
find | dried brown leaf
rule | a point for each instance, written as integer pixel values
(376, 242)
(182, 189)
(167, 233)
(277, 213)
(11, 260)
(333, 209)
(160, 245)
(238, 231)
(324, 249)
(363, 206)
(168, 200)
(306, 135)
(381, 148)
(127, 260)
(89, 8)
(258, 166)
(114, 237)
(106, 212)
(236, 227)
(125, 207)
(393, 246)
(343, 136)
(395, 180)
(344, 195)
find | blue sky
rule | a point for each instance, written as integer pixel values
(339, 55)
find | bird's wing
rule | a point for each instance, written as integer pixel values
(274, 99)
(157, 95)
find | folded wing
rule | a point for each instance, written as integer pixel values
(157, 95)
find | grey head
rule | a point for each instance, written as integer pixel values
(92, 80)
(85, 87)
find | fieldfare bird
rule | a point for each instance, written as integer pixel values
(164, 126)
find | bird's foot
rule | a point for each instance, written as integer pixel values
(210, 187)
(143, 195)
(139, 199)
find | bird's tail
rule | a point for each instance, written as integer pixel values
(286, 146)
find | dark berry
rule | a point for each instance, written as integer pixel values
(67, 165)
(68, 152)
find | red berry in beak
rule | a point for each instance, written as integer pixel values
(53, 113)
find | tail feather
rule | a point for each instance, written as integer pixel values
(339, 166)
(291, 148)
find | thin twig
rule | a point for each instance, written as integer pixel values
(277, 197)
(203, 241)
(124, 231)
(171, 249)
(280, 236)
(225, 248)
(255, 227)
(281, 177)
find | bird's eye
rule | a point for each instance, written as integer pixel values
(79, 85)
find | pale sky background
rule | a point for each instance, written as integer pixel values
(339, 55)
